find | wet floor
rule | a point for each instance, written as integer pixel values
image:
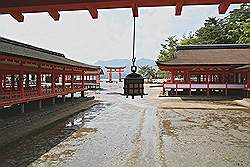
(143, 132)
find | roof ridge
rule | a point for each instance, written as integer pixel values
(213, 46)
(28, 46)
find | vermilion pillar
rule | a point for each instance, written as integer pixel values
(63, 82)
(13, 81)
(39, 83)
(120, 77)
(21, 84)
(1, 81)
(248, 79)
(27, 81)
(110, 76)
(172, 79)
(82, 92)
(53, 82)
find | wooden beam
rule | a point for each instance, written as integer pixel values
(223, 6)
(54, 14)
(93, 12)
(18, 16)
(135, 10)
(178, 7)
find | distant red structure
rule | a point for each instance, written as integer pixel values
(208, 69)
(111, 70)
(16, 8)
(92, 79)
(29, 73)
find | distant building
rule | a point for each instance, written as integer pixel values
(29, 73)
(209, 69)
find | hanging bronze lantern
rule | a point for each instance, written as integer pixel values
(133, 83)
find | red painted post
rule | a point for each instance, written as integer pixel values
(12, 81)
(1, 81)
(4, 81)
(63, 81)
(21, 84)
(39, 83)
(208, 80)
(53, 81)
(248, 81)
(27, 81)
(176, 86)
(172, 80)
(72, 81)
(82, 92)
(110, 76)
(163, 89)
(120, 76)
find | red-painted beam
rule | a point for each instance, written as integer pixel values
(54, 14)
(17, 16)
(93, 12)
(178, 7)
(8, 7)
(223, 6)
(135, 10)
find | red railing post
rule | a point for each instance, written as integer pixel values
(39, 83)
(21, 84)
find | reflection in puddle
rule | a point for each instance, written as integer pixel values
(52, 144)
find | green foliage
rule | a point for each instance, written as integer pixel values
(245, 36)
(168, 49)
(233, 29)
(147, 71)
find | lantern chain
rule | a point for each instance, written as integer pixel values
(133, 68)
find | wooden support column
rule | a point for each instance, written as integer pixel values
(40, 104)
(21, 84)
(82, 92)
(1, 81)
(12, 81)
(27, 81)
(39, 83)
(248, 82)
(110, 76)
(208, 81)
(72, 85)
(22, 107)
(120, 77)
(63, 81)
(4, 81)
(172, 80)
(53, 81)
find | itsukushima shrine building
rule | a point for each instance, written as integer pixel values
(209, 69)
(29, 73)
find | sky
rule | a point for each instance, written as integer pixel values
(84, 39)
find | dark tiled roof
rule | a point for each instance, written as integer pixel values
(20, 49)
(109, 67)
(210, 55)
(213, 46)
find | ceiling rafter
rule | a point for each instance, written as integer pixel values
(54, 14)
(18, 16)
(93, 12)
(223, 6)
(178, 7)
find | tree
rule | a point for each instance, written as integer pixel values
(143, 70)
(168, 49)
(235, 23)
(212, 32)
(245, 36)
